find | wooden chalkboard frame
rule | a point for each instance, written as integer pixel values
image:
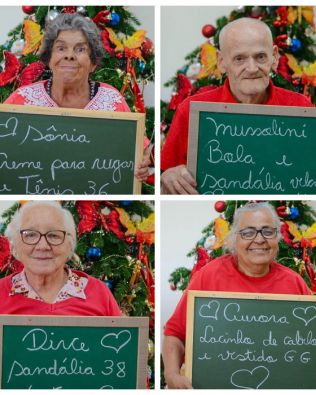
(254, 109)
(225, 295)
(73, 112)
(142, 323)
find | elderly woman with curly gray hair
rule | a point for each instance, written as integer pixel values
(72, 50)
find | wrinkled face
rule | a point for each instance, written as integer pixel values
(70, 58)
(257, 254)
(247, 57)
(42, 258)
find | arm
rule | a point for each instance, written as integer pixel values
(177, 180)
(172, 354)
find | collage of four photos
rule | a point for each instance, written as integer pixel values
(157, 197)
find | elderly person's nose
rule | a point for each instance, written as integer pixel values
(259, 238)
(42, 243)
(69, 54)
(252, 65)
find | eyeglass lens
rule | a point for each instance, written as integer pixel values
(54, 237)
(251, 233)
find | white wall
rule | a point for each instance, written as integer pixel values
(181, 34)
(11, 16)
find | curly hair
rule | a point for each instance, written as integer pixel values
(72, 22)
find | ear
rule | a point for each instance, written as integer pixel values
(275, 58)
(220, 62)
(92, 68)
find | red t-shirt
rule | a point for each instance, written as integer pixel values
(99, 301)
(222, 274)
(175, 149)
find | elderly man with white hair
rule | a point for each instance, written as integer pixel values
(247, 56)
(42, 236)
(250, 267)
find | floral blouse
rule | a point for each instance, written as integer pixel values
(74, 287)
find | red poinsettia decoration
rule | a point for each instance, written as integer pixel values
(31, 73)
(202, 259)
(11, 69)
(5, 255)
(184, 90)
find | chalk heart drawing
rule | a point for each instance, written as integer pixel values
(209, 310)
(306, 314)
(116, 341)
(10, 125)
(250, 379)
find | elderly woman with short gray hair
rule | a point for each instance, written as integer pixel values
(72, 49)
(249, 267)
(42, 236)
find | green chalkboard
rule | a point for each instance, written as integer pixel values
(252, 149)
(73, 352)
(253, 341)
(58, 151)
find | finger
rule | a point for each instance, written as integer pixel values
(188, 188)
(180, 188)
(188, 177)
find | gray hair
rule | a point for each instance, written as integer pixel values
(14, 226)
(242, 21)
(230, 241)
(72, 22)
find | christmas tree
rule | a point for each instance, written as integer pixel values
(293, 32)
(116, 245)
(296, 247)
(128, 64)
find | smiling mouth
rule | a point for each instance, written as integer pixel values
(258, 249)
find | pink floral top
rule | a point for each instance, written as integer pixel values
(107, 98)
(74, 287)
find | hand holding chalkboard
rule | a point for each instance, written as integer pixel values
(251, 341)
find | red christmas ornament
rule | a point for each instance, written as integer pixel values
(69, 9)
(172, 287)
(220, 206)
(281, 210)
(105, 38)
(208, 31)
(147, 48)
(28, 9)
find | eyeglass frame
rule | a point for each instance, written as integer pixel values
(44, 234)
(276, 231)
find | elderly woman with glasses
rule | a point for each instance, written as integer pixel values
(72, 49)
(42, 236)
(250, 267)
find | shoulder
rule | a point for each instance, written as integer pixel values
(108, 98)
(33, 95)
(93, 282)
(286, 271)
(286, 97)
(207, 95)
(219, 266)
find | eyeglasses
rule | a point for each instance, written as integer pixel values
(53, 237)
(250, 233)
